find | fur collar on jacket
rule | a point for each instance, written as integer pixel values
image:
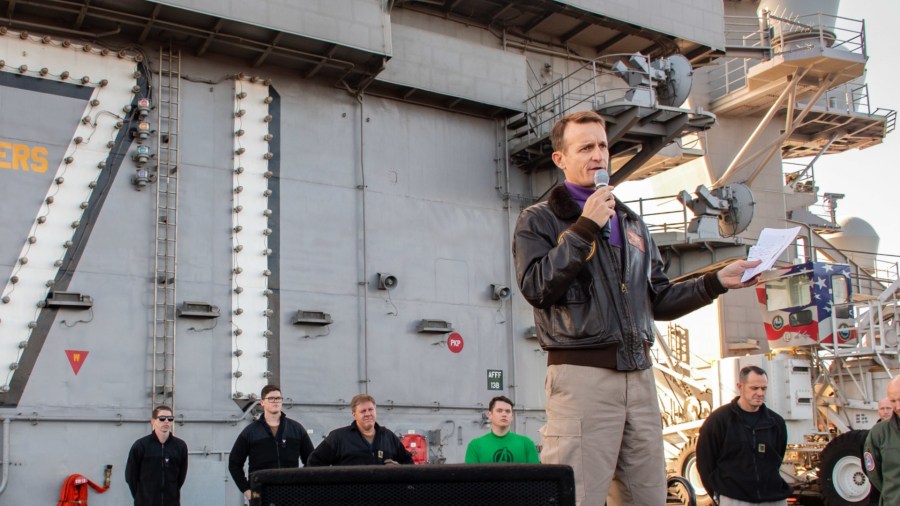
(562, 204)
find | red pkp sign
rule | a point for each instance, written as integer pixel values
(455, 342)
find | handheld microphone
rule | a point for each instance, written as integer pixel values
(601, 179)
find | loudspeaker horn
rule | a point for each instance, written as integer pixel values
(386, 281)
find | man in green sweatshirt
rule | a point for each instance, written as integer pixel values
(881, 457)
(500, 445)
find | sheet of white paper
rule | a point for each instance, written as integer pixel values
(772, 242)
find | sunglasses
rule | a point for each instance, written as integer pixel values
(165, 418)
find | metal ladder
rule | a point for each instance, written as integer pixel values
(168, 108)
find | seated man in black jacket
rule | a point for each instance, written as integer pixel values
(742, 445)
(273, 441)
(363, 442)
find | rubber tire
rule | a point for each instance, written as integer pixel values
(686, 465)
(848, 445)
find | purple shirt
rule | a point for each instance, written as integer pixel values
(580, 194)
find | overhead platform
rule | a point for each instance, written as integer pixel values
(636, 135)
(848, 129)
(832, 120)
(678, 26)
(637, 96)
(765, 80)
(667, 158)
(808, 48)
(813, 83)
(357, 45)
(348, 54)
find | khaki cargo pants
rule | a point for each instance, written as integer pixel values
(606, 425)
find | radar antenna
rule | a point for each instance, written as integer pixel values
(721, 212)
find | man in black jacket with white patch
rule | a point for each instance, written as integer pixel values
(273, 441)
(361, 443)
(741, 447)
(157, 463)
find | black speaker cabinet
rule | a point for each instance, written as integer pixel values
(429, 485)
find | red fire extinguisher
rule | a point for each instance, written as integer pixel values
(74, 491)
(416, 445)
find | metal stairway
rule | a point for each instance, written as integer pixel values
(168, 107)
(640, 119)
(875, 353)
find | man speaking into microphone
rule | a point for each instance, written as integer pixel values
(595, 300)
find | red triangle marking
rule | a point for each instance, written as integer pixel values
(76, 359)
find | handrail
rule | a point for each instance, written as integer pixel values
(803, 179)
(678, 215)
(827, 28)
(778, 35)
(676, 219)
(746, 31)
(853, 99)
(890, 118)
(583, 86)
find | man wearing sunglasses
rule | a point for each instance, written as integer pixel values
(157, 463)
(273, 441)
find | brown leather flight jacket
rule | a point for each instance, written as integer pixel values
(585, 294)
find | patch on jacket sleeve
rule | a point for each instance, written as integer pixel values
(635, 240)
(593, 250)
(870, 461)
